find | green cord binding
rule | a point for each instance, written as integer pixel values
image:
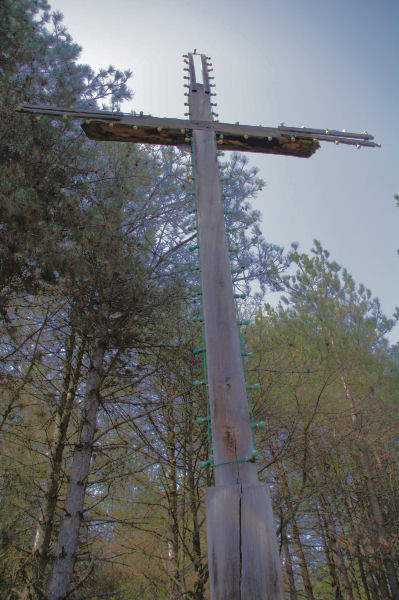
(200, 420)
(208, 412)
(251, 414)
(207, 419)
(244, 354)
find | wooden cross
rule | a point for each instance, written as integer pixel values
(242, 552)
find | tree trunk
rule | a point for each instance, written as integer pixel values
(199, 568)
(336, 551)
(380, 575)
(353, 575)
(25, 379)
(376, 593)
(378, 518)
(382, 538)
(330, 561)
(171, 486)
(65, 554)
(301, 558)
(330, 529)
(288, 563)
(286, 493)
(357, 536)
(64, 411)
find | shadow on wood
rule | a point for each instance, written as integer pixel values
(162, 132)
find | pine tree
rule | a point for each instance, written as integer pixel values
(327, 374)
(41, 162)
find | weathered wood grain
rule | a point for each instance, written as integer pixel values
(242, 552)
(223, 542)
(193, 80)
(231, 431)
(205, 76)
(242, 548)
(261, 571)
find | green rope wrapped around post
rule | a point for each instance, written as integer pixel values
(202, 349)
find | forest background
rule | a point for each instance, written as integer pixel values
(101, 489)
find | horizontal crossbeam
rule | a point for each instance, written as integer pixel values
(121, 127)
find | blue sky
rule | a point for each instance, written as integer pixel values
(319, 63)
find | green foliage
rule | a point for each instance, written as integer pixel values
(329, 395)
(95, 232)
(41, 162)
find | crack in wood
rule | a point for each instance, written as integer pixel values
(240, 540)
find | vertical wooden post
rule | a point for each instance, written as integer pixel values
(231, 432)
(242, 552)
